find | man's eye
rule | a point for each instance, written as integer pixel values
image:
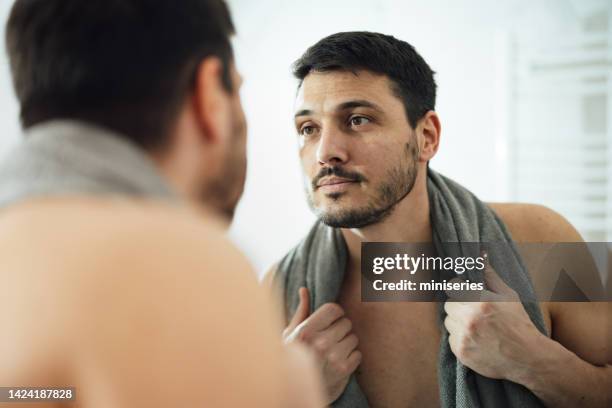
(308, 131)
(359, 121)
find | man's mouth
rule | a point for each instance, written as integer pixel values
(333, 180)
(336, 179)
(334, 184)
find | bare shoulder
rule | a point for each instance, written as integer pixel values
(269, 275)
(110, 233)
(535, 223)
(275, 291)
(161, 284)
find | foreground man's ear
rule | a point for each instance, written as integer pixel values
(210, 99)
(428, 135)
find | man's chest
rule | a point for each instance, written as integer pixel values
(399, 342)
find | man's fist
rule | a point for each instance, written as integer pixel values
(494, 337)
(328, 332)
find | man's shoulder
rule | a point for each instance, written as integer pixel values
(146, 277)
(270, 274)
(137, 242)
(535, 223)
(539, 224)
(71, 214)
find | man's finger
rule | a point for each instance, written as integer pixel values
(303, 309)
(325, 316)
(453, 308)
(353, 360)
(345, 346)
(452, 325)
(337, 331)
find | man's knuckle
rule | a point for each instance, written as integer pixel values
(320, 345)
(349, 324)
(344, 368)
(334, 359)
(485, 307)
(332, 308)
(463, 350)
(472, 326)
(303, 335)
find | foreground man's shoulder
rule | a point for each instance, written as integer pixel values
(269, 275)
(98, 231)
(166, 243)
(535, 223)
(165, 288)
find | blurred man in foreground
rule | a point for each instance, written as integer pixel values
(117, 278)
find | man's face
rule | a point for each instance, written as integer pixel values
(224, 190)
(358, 151)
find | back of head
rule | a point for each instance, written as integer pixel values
(123, 64)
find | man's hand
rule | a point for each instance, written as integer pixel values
(328, 332)
(496, 337)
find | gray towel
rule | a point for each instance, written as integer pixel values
(319, 262)
(66, 157)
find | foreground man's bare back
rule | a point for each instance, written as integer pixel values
(138, 304)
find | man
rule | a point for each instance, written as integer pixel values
(367, 130)
(117, 277)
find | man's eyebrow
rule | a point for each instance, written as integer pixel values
(303, 112)
(357, 103)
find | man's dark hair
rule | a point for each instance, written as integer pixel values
(411, 77)
(123, 64)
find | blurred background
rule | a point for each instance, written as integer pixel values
(524, 90)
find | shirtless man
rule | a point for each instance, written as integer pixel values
(362, 97)
(117, 277)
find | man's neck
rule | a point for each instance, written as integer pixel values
(409, 222)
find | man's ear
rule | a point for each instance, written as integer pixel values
(429, 127)
(210, 99)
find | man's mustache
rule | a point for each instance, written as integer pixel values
(337, 171)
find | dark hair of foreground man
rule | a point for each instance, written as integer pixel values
(125, 65)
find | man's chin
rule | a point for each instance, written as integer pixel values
(350, 215)
(347, 197)
(340, 217)
(335, 196)
(342, 221)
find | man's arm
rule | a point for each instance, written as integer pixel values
(573, 367)
(562, 378)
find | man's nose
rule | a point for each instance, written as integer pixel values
(332, 148)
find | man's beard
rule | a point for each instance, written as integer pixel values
(223, 193)
(398, 183)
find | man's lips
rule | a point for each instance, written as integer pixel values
(332, 181)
